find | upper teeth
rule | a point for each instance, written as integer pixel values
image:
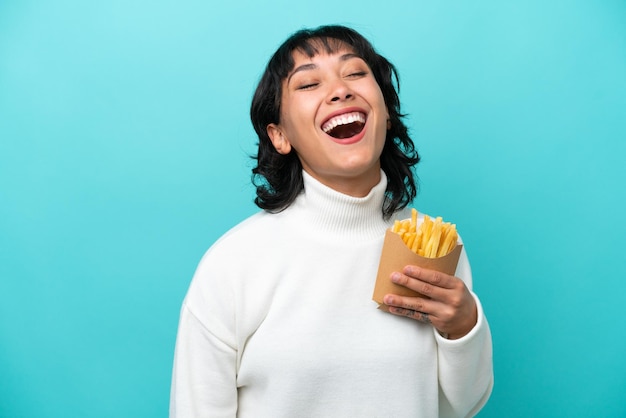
(343, 120)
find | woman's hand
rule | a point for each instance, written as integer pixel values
(448, 305)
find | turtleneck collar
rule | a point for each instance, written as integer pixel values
(339, 215)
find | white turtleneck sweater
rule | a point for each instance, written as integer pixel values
(279, 321)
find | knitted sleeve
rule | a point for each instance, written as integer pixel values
(205, 360)
(466, 364)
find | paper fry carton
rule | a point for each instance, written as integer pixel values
(396, 255)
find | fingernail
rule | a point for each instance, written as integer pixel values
(388, 300)
(414, 271)
(395, 277)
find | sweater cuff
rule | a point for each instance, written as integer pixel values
(481, 324)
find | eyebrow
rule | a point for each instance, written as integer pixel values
(312, 66)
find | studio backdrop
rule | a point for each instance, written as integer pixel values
(125, 147)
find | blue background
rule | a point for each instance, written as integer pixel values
(124, 143)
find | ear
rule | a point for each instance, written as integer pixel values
(278, 138)
(388, 119)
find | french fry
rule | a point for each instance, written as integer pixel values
(449, 241)
(430, 238)
(428, 227)
(409, 241)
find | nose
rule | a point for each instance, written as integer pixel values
(340, 92)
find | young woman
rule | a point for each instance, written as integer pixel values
(279, 320)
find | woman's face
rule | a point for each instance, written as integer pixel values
(334, 116)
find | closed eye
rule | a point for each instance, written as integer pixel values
(307, 86)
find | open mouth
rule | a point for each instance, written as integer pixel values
(345, 126)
